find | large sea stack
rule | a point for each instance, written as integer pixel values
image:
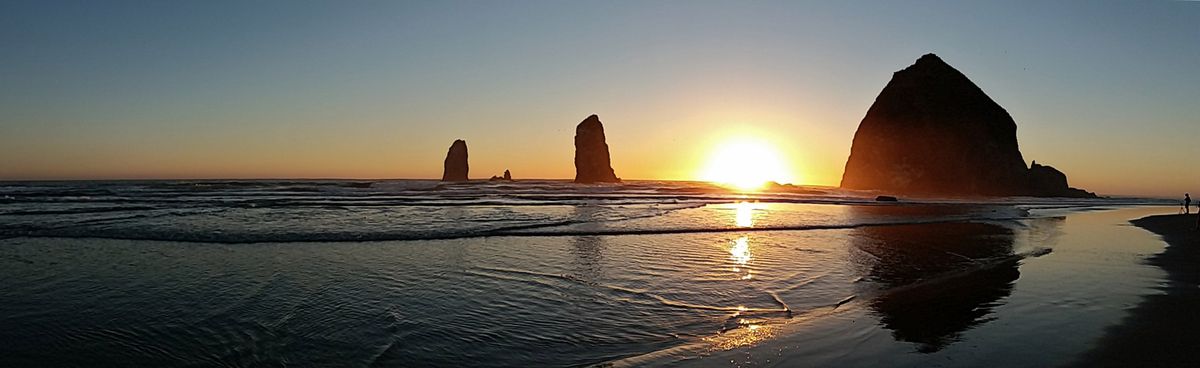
(932, 131)
(592, 163)
(456, 162)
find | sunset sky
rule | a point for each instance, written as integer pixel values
(1108, 92)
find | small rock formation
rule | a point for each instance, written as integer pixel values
(884, 198)
(456, 162)
(932, 131)
(772, 186)
(1046, 181)
(507, 177)
(592, 163)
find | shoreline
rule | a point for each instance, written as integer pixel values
(1164, 329)
(935, 313)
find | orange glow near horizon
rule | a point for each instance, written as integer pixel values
(746, 164)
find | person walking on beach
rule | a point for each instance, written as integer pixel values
(1187, 204)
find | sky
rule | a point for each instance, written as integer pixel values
(1108, 92)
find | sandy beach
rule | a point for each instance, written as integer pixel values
(698, 280)
(1164, 330)
(708, 183)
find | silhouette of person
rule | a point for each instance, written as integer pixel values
(1187, 204)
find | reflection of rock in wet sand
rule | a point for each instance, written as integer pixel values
(589, 258)
(588, 250)
(939, 280)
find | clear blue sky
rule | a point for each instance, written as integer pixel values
(1109, 92)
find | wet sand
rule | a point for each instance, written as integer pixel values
(1031, 292)
(1040, 311)
(1163, 330)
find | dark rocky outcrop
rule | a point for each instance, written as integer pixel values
(884, 198)
(1046, 181)
(772, 186)
(932, 131)
(507, 177)
(592, 163)
(456, 167)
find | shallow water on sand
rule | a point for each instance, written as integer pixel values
(699, 284)
(1041, 311)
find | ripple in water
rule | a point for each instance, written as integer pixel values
(578, 281)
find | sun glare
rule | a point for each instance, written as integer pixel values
(746, 164)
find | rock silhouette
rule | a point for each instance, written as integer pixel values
(456, 167)
(1046, 181)
(932, 131)
(592, 163)
(507, 177)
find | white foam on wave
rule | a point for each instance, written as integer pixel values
(254, 211)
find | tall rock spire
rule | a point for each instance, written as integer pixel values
(592, 163)
(455, 167)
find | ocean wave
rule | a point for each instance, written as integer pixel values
(530, 230)
(387, 210)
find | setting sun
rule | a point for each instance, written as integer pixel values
(746, 164)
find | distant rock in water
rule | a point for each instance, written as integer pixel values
(592, 163)
(456, 162)
(507, 177)
(772, 186)
(932, 131)
(884, 198)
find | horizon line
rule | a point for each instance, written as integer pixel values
(4, 180)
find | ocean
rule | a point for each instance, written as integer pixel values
(550, 273)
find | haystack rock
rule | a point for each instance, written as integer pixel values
(456, 162)
(592, 163)
(932, 131)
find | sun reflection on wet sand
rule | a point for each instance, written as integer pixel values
(749, 332)
(740, 254)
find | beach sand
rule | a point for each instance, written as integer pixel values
(1035, 291)
(1163, 330)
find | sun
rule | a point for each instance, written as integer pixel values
(746, 163)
